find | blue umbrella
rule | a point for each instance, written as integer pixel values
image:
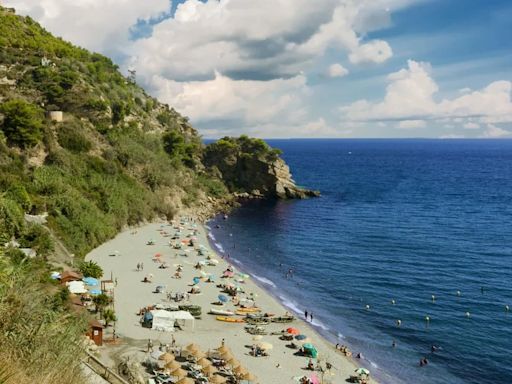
(91, 281)
(196, 280)
(223, 299)
(95, 291)
(301, 337)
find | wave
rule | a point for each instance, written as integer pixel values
(211, 236)
(264, 280)
(219, 247)
(290, 304)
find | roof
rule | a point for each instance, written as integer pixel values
(70, 274)
(95, 323)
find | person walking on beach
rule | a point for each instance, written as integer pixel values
(306, 315)
(138, 267)
(311, 317)
(141, 266)
(150, 345)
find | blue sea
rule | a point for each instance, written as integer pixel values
(398, 221)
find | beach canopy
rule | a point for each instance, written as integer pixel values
(203, 362)
(223, 349)
(264, 345)
(198, 354)
(192, 347)
(76, 287)
(209, 370)
(293, 331)
(233, 362)
(227, 355)
(179, 373)
(185, 380)
(240, 370)
(167, 357)
(248, 377)
(257, 337)
(95, 292)
(196, 280)
(91, 281)
(314, 379)
(301, 337)
(223, 299)
(362, 371)
(216, 379)
(310, 349)
(173, 365)
(164, 320)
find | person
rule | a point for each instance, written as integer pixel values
(423, 361)
(311, 366)
(141, 266)
(115, 281)
(433, 349)
(173, 341)
(306, 315)
(337, 346)
(311, 317)
(393, 344)
(223, 342)
(328, 365)
(150, 345)
(138, 267)
(359, 355)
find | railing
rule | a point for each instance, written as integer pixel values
(102, 370)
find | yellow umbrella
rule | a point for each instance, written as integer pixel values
(204, 362)
(179, 373)
(227, 355)
(223, 349)
(185, 380)
(172, 365)
(233, 362)
(209, 370)
(216, 379)
(248, 377)
(198, 354)
(167, 357)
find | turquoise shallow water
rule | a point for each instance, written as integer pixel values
(398, 220)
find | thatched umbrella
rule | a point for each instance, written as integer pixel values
(167, 357)
(179, 373)
(216, 379)
(192, 347)
(209, 370)
(233, 362)
(240, 371)
(198, 354)
(223, 349)
(248, 377)
(227, 355)
(203, 362)
(172, 365)
(185, 380)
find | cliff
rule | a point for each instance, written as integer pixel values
(251, 168)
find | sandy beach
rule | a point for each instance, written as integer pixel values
(119, 258)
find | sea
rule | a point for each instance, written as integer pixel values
(409, 247)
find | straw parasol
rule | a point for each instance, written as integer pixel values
(198, 354)
(216, 379)
(257, 338)
(192, 347)
(233, 362)
(179, 373)
(185, 380)
(264, 345)
(203, 362)
(223, 349)
(167, 357)
(172, 365)
(248, 377)
(209, 370)
(227, 355)
(239, 371)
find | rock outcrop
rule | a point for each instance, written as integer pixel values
(251, 169)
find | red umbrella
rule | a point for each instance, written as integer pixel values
(293, 331)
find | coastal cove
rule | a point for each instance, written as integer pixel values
(398, 222)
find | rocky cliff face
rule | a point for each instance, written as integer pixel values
(251, 169)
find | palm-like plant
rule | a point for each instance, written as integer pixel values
(109, 316)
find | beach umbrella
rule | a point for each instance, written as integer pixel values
(223, 349)
(172, 365)
(167, 357)
(198, 354)
(95, 292)
(192, 347)
(223, 299)
(257, 338)
(248, 377)
(227, 355)
(209, 370)
(239, 371)
(179, 373)
(314, 379)
(233, 362)
(203, 362)
(301, 337)
(216, 379)
(158, 254)
(264, 345)
(196, 280)
(293, 331)
(91, 281)
(362, 371)
(185, 380)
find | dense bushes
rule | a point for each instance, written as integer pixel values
(23, 122)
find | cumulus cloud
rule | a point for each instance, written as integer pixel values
(337, 70)
(100, 25)
(412, 124)
(493, 132)
(410, 95)
(471, 125)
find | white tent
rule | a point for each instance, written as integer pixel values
(164, 320)
(76, 287)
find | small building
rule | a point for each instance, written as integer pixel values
(68, 276)
(56, 116)
(95, 332)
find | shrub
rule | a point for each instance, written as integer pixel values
(71, 137)
(91, 269)
(22, 123)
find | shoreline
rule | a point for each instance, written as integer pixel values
(131, 294)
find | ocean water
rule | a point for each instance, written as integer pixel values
(398, 220)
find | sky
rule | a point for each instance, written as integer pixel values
(308, 69)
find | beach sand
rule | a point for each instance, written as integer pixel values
(131, 293)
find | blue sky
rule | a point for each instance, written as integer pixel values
(324, 68)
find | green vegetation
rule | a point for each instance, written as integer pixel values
(91, 269)
(22, 123)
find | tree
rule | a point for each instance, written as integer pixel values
(91, 269)
(22, 123)
(109, 316)
(101, 301)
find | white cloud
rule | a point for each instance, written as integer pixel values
(100, 25)
(412, 124)
(337, 70)
(494, 132)
(376, 51)
(410, 96)
(471, 125)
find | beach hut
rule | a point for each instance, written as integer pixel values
(162, 321)
(95, 332)
(68, 276)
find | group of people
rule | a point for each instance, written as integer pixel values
(140, 267)
(344, 349)
(310, 316)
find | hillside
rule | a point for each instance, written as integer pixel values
(84, 152)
